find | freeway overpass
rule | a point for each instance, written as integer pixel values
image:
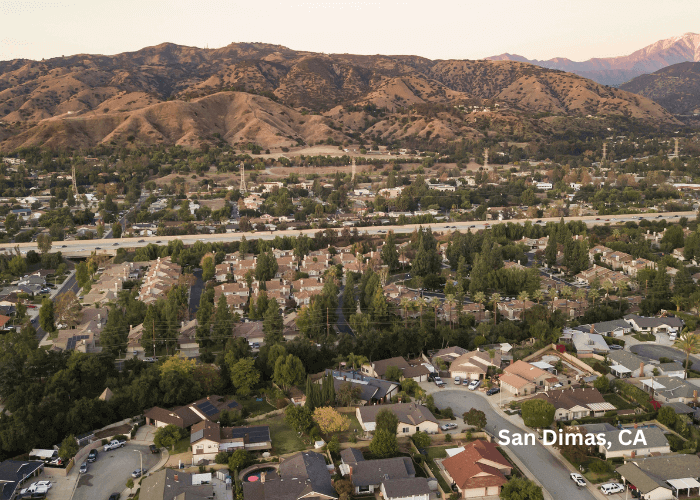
(84, 248)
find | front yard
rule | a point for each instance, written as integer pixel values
(617, 401)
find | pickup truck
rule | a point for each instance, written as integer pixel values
(34, 490)
(114, 444)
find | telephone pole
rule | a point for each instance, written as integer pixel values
(154, 339)
(328, 326)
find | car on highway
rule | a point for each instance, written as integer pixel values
(83, 468)
(98, 248)
(92, 456)
(578, 479)
(115, 244)
(474, 385)
(64, 246)
(611, 488)
(448, 426)
(141, 241)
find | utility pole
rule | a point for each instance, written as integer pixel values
(154, 339)
(328, 327)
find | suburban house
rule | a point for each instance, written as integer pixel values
(415, 371)
(521, 378)
(474, 365)
(587, 342)
(208, 408)
(413, 417)
(514, 309)
(662, 478)
(625, 364)
(394, 477)
(572, 404)
(614, 328)
(643, 324)
(480, 470)
(656, 443)
(448, 354)
(170, 484)
(303, 475)
(208, 438)
(371, 389)
(14, 474)
(670, 390)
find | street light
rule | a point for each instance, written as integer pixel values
(140, 453)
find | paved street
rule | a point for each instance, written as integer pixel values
(655, 351)
(110, 472)
(548, 470)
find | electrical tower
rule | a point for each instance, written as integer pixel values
(605, 151)
(354, 169)
(243, 188)
(486, 157)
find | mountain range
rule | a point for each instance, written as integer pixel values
(618, 70)
(278, 97)
(676, 88)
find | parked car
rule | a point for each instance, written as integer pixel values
(92, 456)
(83, 467)
(458, 381)
(41, 484)
(448, 426)
(153, 448)
(439, 382)
(149, 360)
(474, 385)
(138, 473)
(114, 444)
(114, 496)
(615, 347)
(612, 488)
(578, 479)
(557, 385)
(493, 390)
(34, 489)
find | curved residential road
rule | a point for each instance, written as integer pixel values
(546, 468)
(84, 248)
(655, 351)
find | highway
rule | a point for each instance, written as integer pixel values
(84, 248)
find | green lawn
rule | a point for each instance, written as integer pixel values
(182, 446)
(436, 472)
(438, 451)
(256, 408)
(618, 402)
(284, 438)
(354, 429)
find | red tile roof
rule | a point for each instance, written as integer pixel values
(479, 465)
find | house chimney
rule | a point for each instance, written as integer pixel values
(641, 370)
(633, 454)
(175, 477)
(99, 316)
(350, 474)
(592, 327)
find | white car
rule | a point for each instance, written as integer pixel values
(612, 488)
(474, 385)
(439, 382)
(42, 484)
(458, 381)
(34, 489)
(578, 479)
(448, 426)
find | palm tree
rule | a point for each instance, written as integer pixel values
(356, 360)
(593, 294)
(496, 298)
(580, 297)
(450, 301)
(523, 296)
(689, 343)
(566, 292)
(421, 304)
(608, 287)
(405, 304)
(435, 303)
(479, 297)
(679, 301)
(538, 295)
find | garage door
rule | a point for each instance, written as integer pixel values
(492, 490)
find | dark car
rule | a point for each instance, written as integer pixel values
(154, 448)
(142, 241)
(114, 496)
(92, 456)
(115, 244)
(98, 248)
(493, 390)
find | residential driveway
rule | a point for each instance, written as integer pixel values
(110, 472)
(655, 351)
(548, 470)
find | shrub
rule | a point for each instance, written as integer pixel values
(221, 458)
(448, 438)
(599, 467)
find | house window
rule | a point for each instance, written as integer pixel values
(363, 489)
(405, 430)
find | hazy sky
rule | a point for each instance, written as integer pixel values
(438, 29)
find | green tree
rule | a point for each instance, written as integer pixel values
(349, 303)
(384, 444)
(273, 324)
(266, 266)
(81, 274)
(602, 384)
(537, 413)
(17, 265)
(117, 230)
(208, 268)
(474, 417)
(168, 436)
(46, 315)
(289, 371)
(239, 460)
(667, 416)
(69, 447)
(298, 418)
(390, 256)
(43, 242)
(223, 321)
(421, 440)
(550, 251)
(689, 343)
(386, 419)
(244, 376)
(521, 489)
(393, 373)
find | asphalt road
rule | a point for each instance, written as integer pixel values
(548, 470)
(342, 324)
(655, 351)
(110, 472)
(83, 248)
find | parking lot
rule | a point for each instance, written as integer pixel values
(110, 472)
